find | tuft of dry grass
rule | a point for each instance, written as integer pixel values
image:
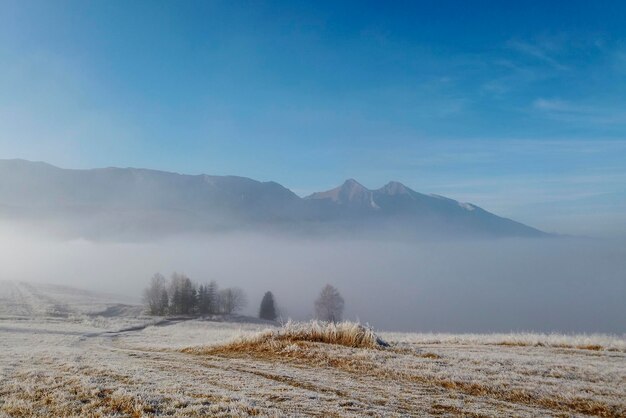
(293, 334)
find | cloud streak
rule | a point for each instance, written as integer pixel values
(572, 112)
(539, 51)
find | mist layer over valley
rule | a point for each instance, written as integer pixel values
(498, 285)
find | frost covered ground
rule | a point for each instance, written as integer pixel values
(58, 357)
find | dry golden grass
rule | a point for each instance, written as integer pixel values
(294, 335)
(62, 395)
(449, 410)
(519, 396)
(591, 347)
(430, 355)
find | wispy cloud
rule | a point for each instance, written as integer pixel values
(541, 51)
(579, 112)
(520, 63)
(511, 77)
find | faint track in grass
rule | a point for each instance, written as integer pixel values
(253, 379)
(313, 354)
(359, 393)
(237, 378)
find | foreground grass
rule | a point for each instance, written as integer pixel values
(201, 368)
(348, 334)
(318, 344)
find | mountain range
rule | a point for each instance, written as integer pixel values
(136, 203)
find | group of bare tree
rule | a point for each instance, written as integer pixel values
(181, 296)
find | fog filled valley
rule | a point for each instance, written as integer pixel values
(488, 285)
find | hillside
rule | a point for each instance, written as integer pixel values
(133, 203)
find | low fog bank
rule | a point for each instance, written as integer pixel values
(562, 285)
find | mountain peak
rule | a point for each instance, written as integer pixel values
(395, 188)
(353, 185)
(351, 192)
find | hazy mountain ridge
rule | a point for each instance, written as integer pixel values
(109, 201)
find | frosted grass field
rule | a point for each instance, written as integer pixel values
(76, 363)
(591, 342)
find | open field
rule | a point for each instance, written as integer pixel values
(67, 361)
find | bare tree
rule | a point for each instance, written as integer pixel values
(183, 295)
(208, 298)
(165, 302)
(232, 299)
(203, 305)
(153, 295)
(213, 297)
(329, 304)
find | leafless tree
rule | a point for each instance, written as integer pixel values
(232, 299)
(213, 297)
(153, 295)
(329, 304)
(183, 295)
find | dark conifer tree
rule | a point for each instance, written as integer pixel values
(268, 309)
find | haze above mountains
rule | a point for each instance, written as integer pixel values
(129, 203)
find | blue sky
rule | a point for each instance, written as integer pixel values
(517, 107)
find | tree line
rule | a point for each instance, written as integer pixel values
(181, 296)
